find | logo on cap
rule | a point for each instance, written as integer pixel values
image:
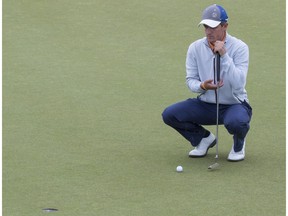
(214, 15)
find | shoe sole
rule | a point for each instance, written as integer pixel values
(235, 160)
(210, 146)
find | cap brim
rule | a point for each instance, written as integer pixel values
(210, 23)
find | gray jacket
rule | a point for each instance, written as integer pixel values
(234, 69)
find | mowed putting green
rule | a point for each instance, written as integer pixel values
(84, 86)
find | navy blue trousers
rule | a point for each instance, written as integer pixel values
(187, 117)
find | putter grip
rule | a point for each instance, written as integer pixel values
(218, 66)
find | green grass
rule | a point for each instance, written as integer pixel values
(84, 86)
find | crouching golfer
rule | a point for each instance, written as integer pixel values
(189, 116)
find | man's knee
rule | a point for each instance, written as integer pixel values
(237, 126)
(167, 116)
(237, 121)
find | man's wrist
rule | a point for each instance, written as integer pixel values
(202, 86)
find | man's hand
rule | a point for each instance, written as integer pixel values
(209, 85)
(219, 47)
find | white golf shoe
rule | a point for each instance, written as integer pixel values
(236, 156)
(202, 149)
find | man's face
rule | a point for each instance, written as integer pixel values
(215, 34)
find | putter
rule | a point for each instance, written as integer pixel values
(217, 66)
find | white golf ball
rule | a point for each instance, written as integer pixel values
(179, 169)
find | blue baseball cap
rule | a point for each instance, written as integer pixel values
(213, 15)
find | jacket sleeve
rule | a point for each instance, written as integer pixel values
(192, 74)
(235, 67)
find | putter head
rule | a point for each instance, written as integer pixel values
(214, 166)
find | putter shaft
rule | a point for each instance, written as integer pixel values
(217, 78)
